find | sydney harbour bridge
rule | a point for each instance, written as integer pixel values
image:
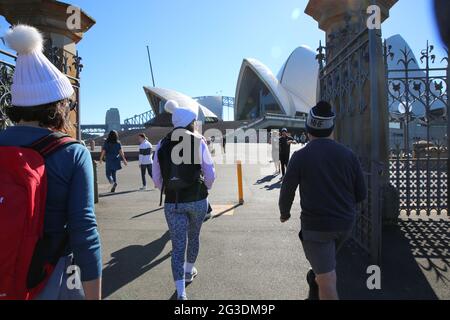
(112, 122)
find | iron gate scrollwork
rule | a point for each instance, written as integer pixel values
(418, 104)
(352, 79)
(6, 79)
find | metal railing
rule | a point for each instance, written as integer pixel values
(6, 79)
(418, 95)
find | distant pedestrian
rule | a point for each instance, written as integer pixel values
(303, 139)
(224, 144)
(275, 141)
(210, 144)
(113, 153)
(185, 183)
(331, 185)
(285, 150)
(92, 145)
(145, 159)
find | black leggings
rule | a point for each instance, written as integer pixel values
(144, 170)
(284, 160)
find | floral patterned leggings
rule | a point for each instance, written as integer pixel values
(185, 223)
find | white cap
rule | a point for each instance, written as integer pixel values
(181, 116)
(36, 80)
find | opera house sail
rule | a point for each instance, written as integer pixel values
(158, 97)
(292, 93)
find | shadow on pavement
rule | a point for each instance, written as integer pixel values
(266, 179)
(147, 213)
(175, 294)
(131, 262)
(106, 195)
(415, 264)
(274, 186)
(218, 215)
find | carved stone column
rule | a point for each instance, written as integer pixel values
(353, 79)
(343, 21)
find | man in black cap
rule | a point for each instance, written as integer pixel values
(331, 185)
(285, 150)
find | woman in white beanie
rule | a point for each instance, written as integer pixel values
(40, 106)
(185, 182)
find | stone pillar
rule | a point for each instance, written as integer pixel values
(63, 27)
(342, 21)
(338, 14)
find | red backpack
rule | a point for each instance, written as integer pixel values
(23, 193)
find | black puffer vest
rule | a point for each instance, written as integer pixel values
(189, 171)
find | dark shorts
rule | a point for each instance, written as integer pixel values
(321, 249)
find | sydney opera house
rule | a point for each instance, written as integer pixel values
(264, 100)
(261, 97)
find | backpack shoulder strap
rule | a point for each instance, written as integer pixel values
(47, 146)
(162, 146)
(52, 143)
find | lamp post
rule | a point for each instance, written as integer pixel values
(151, 66)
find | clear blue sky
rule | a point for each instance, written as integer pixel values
(197, 46)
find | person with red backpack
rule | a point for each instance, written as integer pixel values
(183, 170)
(49, 244)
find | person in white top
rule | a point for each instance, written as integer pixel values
(145, 159)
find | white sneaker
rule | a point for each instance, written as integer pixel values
(182, 298)
(189, 277)
(143, 189)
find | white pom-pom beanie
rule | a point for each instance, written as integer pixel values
(36, 80)
(181, 116)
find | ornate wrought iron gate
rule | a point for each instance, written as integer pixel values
(6, 75)
(418, 104)
(352, 78)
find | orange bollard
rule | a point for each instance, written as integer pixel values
(240, 183)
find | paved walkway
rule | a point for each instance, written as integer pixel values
(246, 253)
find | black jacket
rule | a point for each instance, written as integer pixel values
(331, 184)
